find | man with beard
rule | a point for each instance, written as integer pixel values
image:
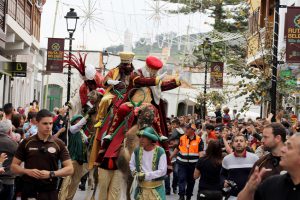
(274, 136)
(278, 187)
(118, 78)
(237, 165)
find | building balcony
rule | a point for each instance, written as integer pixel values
(22, 27)
(260, 46)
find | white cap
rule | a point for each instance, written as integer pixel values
(90, 72)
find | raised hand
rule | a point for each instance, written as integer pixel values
(256, 178)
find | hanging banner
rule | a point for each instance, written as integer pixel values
(55, 56)
(216, 75)
(292, 35)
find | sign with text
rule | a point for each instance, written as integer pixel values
(55, 55)
(293, 35)
(15, 69)
(216, 75)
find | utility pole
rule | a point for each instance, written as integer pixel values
(275, 61)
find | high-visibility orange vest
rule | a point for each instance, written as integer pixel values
(188, 149)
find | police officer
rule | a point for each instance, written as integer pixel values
(40, 154)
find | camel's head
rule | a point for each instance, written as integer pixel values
(145, 116)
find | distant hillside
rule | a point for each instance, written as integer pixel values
(142, 48)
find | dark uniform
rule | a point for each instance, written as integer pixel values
(37, 154)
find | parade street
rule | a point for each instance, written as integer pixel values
(85, 195)
(149, 100)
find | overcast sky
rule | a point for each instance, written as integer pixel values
(117, 16)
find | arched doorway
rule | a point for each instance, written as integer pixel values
(181, 110)
(54, 97)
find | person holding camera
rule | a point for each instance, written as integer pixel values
(274, 136)
(40, 154)
(59, 124)
(237, 166)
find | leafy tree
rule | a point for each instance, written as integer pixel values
(232, 16)
(229, 15)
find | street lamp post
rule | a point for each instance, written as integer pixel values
(206, 52)
(71, 19)
(275, 62)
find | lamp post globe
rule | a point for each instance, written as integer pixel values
(71, 19)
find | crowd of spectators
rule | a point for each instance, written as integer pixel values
(233, 148)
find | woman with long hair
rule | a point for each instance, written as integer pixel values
(208, 169)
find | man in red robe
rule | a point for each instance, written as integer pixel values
(150, 90)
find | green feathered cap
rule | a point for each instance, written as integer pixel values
(150, 133)
(75, 117)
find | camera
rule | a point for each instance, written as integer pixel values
(226, 190)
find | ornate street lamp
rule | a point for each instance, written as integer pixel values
(71, 19)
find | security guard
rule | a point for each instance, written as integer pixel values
(189, 150)
(40, 154)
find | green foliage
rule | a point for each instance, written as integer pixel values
(212, 98)
(229, 15)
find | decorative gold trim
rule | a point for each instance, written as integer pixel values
(150, 184)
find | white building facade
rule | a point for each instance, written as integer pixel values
(20, 43)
